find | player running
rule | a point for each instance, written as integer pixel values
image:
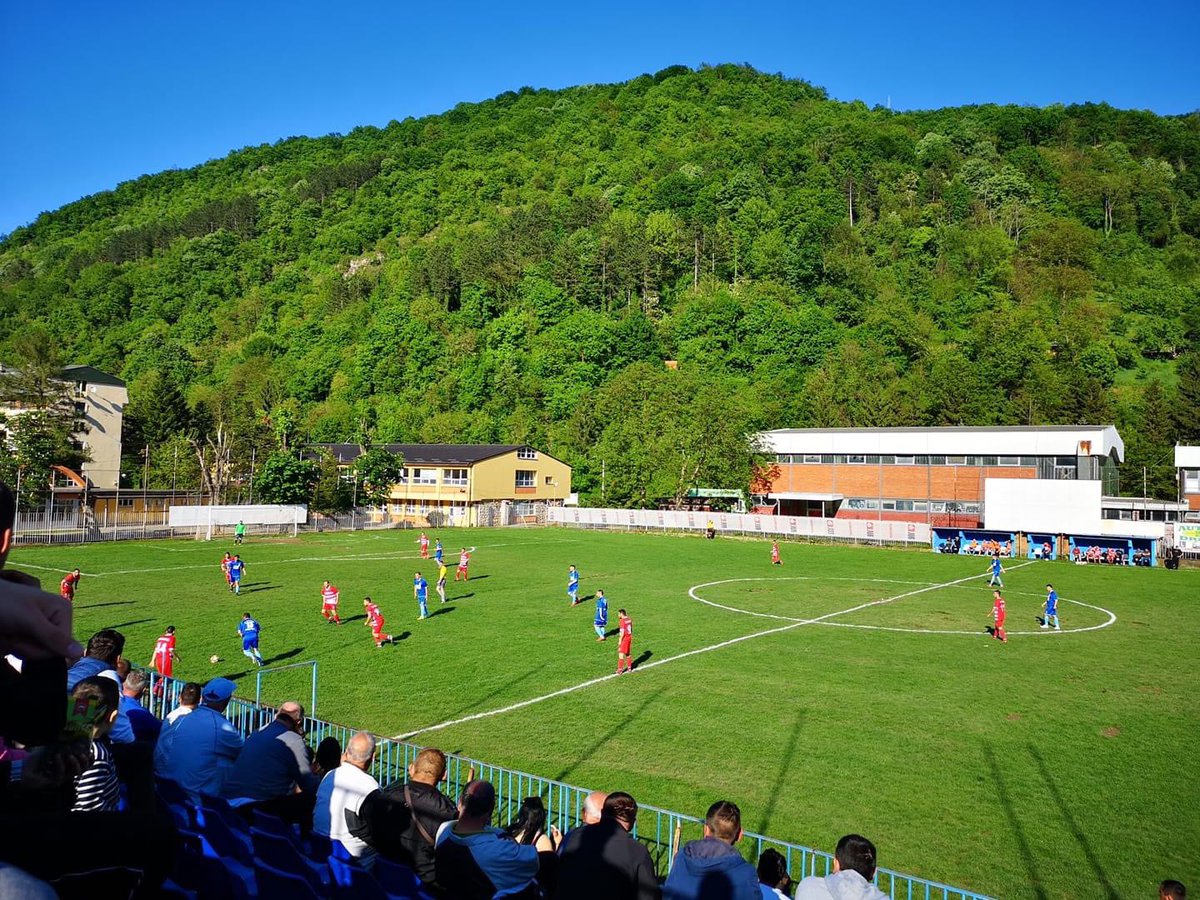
(441, 582)
(421, 593)
(775, 560)
(239, 532)
(573, 585)
(996, 570)
(375, 620)
(625, 647)
(237, 568)
(225, 569)
(463, 559)
(67, 586)
(998, 616)
(600, 622)
(249, 629)
(437, 550)
(329, 603)
(164, 656)
(1051, 608)
(424, 545)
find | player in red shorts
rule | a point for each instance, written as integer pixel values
(625, 646)
(68, 585)
(775, 560)
(463, 559)
(164, 656)
(375, 620)
(329, 603)
(424, 545)
(998, 615)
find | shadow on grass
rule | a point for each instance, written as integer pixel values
(441, 610)
(360, 617)
(785, 763)
(256, 589)
(285, 655)
(130, 622)
(478, 577)
(1073, 825)
(612, 632)
(608, 735)
(98, 605)
(494, 693)
(645, 657)
(460, 597)
(1035, 880)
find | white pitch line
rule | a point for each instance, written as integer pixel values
(662, 662)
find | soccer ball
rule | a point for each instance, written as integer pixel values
(214, 658)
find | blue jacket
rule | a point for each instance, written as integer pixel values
(710, 869)
(85, 668)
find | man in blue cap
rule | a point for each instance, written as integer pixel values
(205, 744)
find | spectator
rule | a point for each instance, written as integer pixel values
(189, 699)
(272, 773)
(475, 861)
(530, 826)
(601, 860)
(428, 808)
(328, 756)
(95, 701)
(853, 871)
(773, 878)
(593, 807)
(144, 724)
(104, 648)
(712, 867)
(205, 744)
(352, 809)
(1172, 890)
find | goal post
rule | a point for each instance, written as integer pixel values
(274, 670)
(212, 520)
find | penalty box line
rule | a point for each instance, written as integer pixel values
(561, 692)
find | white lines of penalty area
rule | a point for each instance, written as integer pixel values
(512, 707)
(386, 557)
(824, 620)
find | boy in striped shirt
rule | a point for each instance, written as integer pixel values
(95, 702)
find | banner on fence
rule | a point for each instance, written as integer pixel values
(747, 523)
(1187, 538)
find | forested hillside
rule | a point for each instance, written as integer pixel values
(519, 270)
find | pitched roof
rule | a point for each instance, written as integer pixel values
(92, 375)
(433, 454)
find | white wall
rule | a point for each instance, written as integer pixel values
(257, 514)
(1042, 505)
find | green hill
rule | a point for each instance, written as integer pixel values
(519, 269)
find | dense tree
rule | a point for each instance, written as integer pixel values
(284, 478)
(376, 470)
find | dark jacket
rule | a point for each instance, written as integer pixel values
(711, 870)
(431, 808)
(604, 862)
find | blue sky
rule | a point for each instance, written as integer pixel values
(92, 94)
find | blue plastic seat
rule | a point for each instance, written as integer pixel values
(397, 879)
(229, 839)
(277, 884)
(170, 791)
(320, 847)
(351, 882)
(275, 825)
(241, 872)
(209, 877)
(280, 853)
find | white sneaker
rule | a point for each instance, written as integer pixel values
(1045, 626)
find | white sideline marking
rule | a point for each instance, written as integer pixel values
(795, 623)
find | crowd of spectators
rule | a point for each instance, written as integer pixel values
(1109, 556)
(98, 796)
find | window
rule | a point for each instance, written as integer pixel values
(956, 460)
(1010, 460)
(1029, 462)
(1191, 481)
(873, 460)
(889, 504)
(904, 460)
(403, 479)
(989, 460)
(526, 478)
(526, 453)
(921, 460)
(860, 503)
(80, 408)
(937, 460)
(125, 503)
(812, 457)
(424, 476)
(937, 506)
(888, 460)
(550, 481)
(856, 458)
(920, 506)
(455, 477)
(523, 508)
(905, 505)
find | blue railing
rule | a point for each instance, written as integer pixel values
(662, 831)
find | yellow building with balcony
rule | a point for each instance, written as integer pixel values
(469, 484)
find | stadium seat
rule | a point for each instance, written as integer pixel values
(275, 825)
(209, 877)
(276, 884)
(229, 840)
(339, 851)
(171, 792)
(280, 853)
(320, 847)
(199, 845)
(172, 891)
(353, 883)
(181, 816)
(397, 879)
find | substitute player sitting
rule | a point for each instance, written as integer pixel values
(249, 630)
(464, 558)
(375, 620)
(67, 586)
(329, 603)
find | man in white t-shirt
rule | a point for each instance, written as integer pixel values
(352, 809)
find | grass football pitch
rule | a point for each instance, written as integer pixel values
(1056, 765)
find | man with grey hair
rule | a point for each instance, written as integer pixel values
(593, 806)
(475, 861)
(145, 724)
(272, 773)
(351, 808)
